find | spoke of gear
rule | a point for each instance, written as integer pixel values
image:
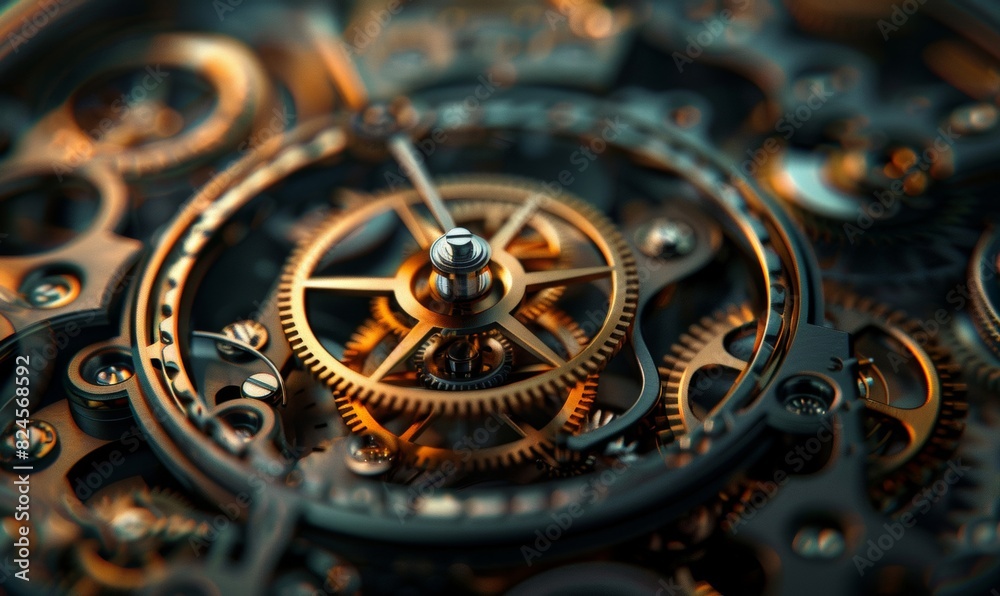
(930, 429)
(550, 249)
(567, 412)
(499, 309)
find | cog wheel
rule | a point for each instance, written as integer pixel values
(573, 463)
(975, 335)
(512, 440)
(464, 362)
(546, 247)
(914, 402)
(606, 265)
(701, 351)
(909, 439)
(978, 362)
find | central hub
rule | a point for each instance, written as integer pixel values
(461, 266)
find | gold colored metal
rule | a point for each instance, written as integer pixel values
(497, 310)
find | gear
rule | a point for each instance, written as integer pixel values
(464, 362)
(547, 248)
(521, 441)
(614, 275)
(701, 348)
(974, 336)
(573, 463)
(907, 442)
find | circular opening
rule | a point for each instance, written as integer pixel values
(110, 366)
(40, 213)
(245, 423)
(806, 395)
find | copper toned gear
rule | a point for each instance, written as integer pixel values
(546, 248)
(974, 336)
(928, 430)
(701, 348)
(615, 276)
(907, 441)
(511, 440)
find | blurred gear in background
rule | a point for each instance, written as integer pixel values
(520, 297)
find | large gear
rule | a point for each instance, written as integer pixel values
(563, 413)
(975, 335)
(906, 445)
(497, 310)
(929, 429)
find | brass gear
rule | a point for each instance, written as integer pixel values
(566, 413)
(616, 273)
(929, 430)
(550, 247)
(701, 346)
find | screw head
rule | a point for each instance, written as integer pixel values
(247, 331)
(52, 291)
(262, 386)
(459, 244)
(113, 374)
(667, 239)
(369, 455)
(42, 441)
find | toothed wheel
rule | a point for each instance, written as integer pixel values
(520, 220)
(464, 362)
(509, 440)
(914, 402)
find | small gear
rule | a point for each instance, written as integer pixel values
(511, 440)
(980, 365)
(695, 351)
(463, 362)
(906, 444)
(974, 335)
(573, 463)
